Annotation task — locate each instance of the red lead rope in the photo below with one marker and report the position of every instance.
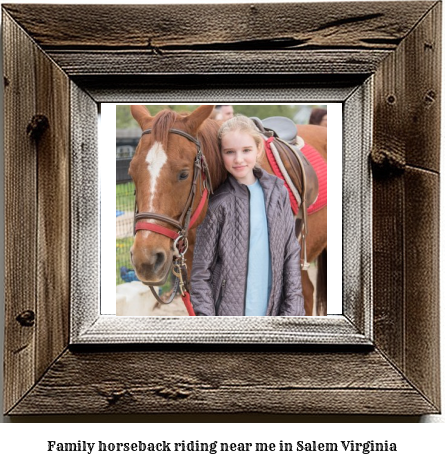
(186, 296)
(174, 235)
(188, 304)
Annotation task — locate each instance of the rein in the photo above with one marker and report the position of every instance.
(181, 226)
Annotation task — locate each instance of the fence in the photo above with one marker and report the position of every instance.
(124, 231)
(126, 142)
(122, 165)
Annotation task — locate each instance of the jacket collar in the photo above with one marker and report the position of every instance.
(267, 182)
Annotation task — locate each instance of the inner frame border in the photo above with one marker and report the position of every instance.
(88, 326)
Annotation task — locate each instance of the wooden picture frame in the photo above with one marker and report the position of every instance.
(382, 60)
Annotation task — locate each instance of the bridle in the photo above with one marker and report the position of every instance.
(186, 220)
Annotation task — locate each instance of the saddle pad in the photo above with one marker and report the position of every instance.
(321, 168)
(277, 172)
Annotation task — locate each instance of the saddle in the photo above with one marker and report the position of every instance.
(282, 140)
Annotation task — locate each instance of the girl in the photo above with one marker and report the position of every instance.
(246, 259)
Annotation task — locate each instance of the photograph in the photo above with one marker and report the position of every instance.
(269, 257)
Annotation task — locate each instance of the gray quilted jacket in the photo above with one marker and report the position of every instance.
(219, 272)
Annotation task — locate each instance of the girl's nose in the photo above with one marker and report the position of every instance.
(238, 156)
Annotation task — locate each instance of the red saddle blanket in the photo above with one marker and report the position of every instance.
(321, 169)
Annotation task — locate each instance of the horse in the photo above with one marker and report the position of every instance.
(163, 168)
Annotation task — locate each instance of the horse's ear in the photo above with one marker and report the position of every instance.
(196, 118)
(141, 115)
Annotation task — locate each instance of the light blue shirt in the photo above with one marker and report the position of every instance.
(259, 272)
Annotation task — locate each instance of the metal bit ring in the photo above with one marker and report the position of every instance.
(175, 246)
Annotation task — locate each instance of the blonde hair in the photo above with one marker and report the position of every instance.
(242, 123)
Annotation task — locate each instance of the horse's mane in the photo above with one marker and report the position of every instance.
(207, 135)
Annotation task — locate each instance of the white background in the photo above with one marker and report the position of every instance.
(22, 442)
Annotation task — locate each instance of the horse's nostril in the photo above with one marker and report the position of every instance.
(159, 260)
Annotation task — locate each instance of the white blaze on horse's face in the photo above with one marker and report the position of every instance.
(156, 158)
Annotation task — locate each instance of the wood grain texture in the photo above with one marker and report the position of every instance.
(406, 206)
(223, 382)
(389, 157)
(423, 92)
(85, 208)
(37, 215)
(408, 99)
(53, 222)
(107, 329)
(422, 281)
(139, 55)
(216, 62)
(20, 214)
(357, 208)
(157, 27)
(388, 271)
(422, 206)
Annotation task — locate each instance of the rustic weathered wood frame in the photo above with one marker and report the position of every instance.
(57, 71)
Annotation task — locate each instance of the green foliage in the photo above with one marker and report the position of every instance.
(264, 111)
(123, 256)
(125, 120)
(123, 117)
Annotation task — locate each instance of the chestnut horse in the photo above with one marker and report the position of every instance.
(162, 169)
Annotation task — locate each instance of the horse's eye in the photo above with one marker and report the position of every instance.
(183, 175)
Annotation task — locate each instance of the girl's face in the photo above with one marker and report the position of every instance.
(240, 153)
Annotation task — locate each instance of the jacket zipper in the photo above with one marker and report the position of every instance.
(270, 259)
(221, 295)
(248, 247)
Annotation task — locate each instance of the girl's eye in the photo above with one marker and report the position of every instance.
(183, 175)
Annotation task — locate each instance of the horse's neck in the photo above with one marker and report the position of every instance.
(210, 146)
